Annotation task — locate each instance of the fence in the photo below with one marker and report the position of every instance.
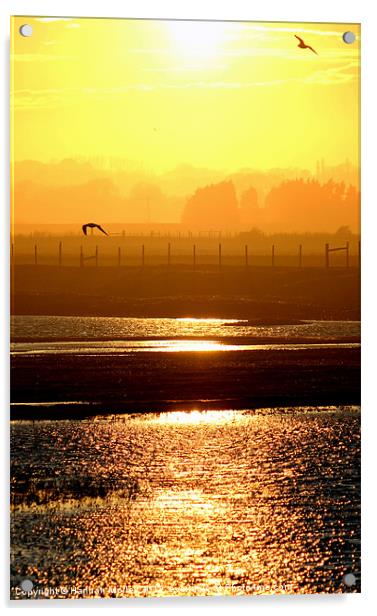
(243, 258)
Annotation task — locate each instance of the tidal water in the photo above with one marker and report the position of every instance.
(118, 328)
(187, 503)
(109, 335)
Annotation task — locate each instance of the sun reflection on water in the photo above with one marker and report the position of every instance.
(189, 502)
(195, 345)
(197, 417)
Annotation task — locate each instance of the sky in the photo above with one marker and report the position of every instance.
(220, 95)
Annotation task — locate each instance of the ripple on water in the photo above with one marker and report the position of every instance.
(213, 502)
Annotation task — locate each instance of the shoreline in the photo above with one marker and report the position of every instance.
(186, 380)
(234, 340)
(79, 412)
(281, 313)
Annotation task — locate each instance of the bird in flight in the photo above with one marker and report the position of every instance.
(92, 225)
(303, 45)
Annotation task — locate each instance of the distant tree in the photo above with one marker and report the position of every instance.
(145, 200)
(255, 233)
(352, 207)
(343, 231)
(302, 205)
(249, 210)
(212, 207)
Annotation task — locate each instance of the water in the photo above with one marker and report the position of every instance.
(159, 346)
(104, 335)
(183, 503)
(196, 503)
(118, 328)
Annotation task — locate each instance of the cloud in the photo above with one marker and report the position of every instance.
(47, 98)
(31, 99)
(51, 19)
(71, 23)
(38, 57)
(187, 68)
(296, 28)
(298, 55)
(50, 98)
(334, 75)
(61, 97)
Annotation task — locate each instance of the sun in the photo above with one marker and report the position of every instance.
(197, 39)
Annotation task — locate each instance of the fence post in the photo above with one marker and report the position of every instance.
(35, 254)
(273, 255)
(96, 256)
(300, 256)
(220, 256)
(169, 254)
(246, 255)
(194, 256)
(327, 260)
(60, 254)
(142, 256)
(119, 256)
(347, 254)
(81, 257)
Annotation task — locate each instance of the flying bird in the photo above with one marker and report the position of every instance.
(92, 225)
(303, 45)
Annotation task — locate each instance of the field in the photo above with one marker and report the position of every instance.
(179, 291)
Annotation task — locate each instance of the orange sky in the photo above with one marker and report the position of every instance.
(217, 95)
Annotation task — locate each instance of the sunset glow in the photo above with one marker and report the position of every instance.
(219, 95)
(198, 39)
(185, 262)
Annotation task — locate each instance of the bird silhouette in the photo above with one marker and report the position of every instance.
(303, 45)
(92, 225)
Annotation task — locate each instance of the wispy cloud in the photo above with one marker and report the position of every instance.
(298, 55)
(70, 21)
(49, 98)
(39, 57)
(294, 28)
(51, 19)
(334, 75)
(150, 50)
(187, 68)
(59, 97)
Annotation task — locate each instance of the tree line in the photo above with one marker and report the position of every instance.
(292, 206)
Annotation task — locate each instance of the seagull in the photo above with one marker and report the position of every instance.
(92, 225)
(303, 45)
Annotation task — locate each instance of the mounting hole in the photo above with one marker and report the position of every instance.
(349, 579)
(349, 37)
(27, 585)
(26, 30)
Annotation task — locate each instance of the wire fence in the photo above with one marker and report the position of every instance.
(195, 256)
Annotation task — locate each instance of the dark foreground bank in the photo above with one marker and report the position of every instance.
(68, 385)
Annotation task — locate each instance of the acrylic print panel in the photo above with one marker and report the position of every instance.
(185, 308)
